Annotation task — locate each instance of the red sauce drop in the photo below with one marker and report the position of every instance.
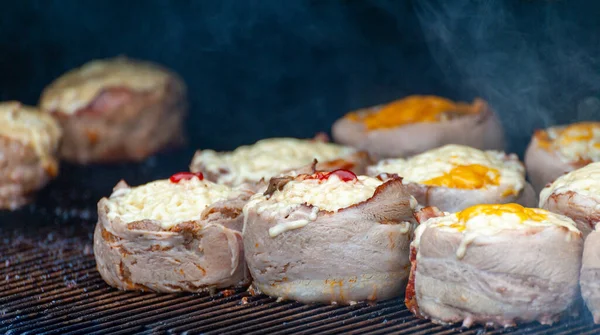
(185, 176)
(344, 175)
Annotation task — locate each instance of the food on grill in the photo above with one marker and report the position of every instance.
(557, 150)
(271, 157)
(590, 274)
(28, 148)
(178, 234)
(117, 110)
(576, 195)
(329, 237)
(494, 264)
(454, 177)
(418, 123)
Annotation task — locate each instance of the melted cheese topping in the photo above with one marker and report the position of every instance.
(458, 166)
(31, 128)
(77, 88)
(584, 181)
(267, 158)
(578, 143)
(166, 202)
(489, 220)
(331, 194)
(412, 109)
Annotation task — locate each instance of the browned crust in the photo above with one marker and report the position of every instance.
(427, 213)
(410, 298)
(121, 124)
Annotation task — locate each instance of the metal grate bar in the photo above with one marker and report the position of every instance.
(87, 318)
(31, 289)
(178, 305)
(319, 319)
(264, 319)
(370, 324)
(224, 314)
(363, 319)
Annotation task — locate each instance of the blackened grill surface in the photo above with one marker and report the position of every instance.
(49, 283)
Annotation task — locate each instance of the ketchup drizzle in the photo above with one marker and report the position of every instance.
(185, 176)
(343, 174)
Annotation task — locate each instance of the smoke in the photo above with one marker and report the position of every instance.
(534, 61)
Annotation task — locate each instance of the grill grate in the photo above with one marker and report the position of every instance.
(49, 283)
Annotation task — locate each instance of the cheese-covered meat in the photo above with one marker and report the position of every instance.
(454, 177)
(557, 150)
(117, 109)
(270, 157)
(495, 264)
(329, 237)
(418, 123)
(180, 234)
(576, 195)
(28, 148)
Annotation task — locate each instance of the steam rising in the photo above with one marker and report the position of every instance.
(534, 61)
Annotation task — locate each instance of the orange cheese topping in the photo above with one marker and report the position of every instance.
(498, 209)
(578, 143)
(473, 176)
(412, 109)
(523, 214)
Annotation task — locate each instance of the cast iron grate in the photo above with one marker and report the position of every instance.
(49, 284)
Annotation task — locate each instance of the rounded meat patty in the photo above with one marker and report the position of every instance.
(576, 195)
(182, 234)
(329, 237)
(557, 150)
(117, 110)
(416, 124)
(29, 143)
(454, 177)
(590, 274)
(494, 265)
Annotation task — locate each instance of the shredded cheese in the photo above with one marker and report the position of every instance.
(331, 194)
(578, 143)
(584, 181)
(78, 87)
(412, 109)
(166, 202)
(267, 158)
(458, 166)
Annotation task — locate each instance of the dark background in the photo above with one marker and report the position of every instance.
(259, 69)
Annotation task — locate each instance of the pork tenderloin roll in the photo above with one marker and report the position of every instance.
(454, 177)
(117, 110)
(576, 195)
(275, 156)
(557, 150)
(29, 143)
(590, 274)
(416, 124)
(179, 234)
(330, 237)
(494, 265)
